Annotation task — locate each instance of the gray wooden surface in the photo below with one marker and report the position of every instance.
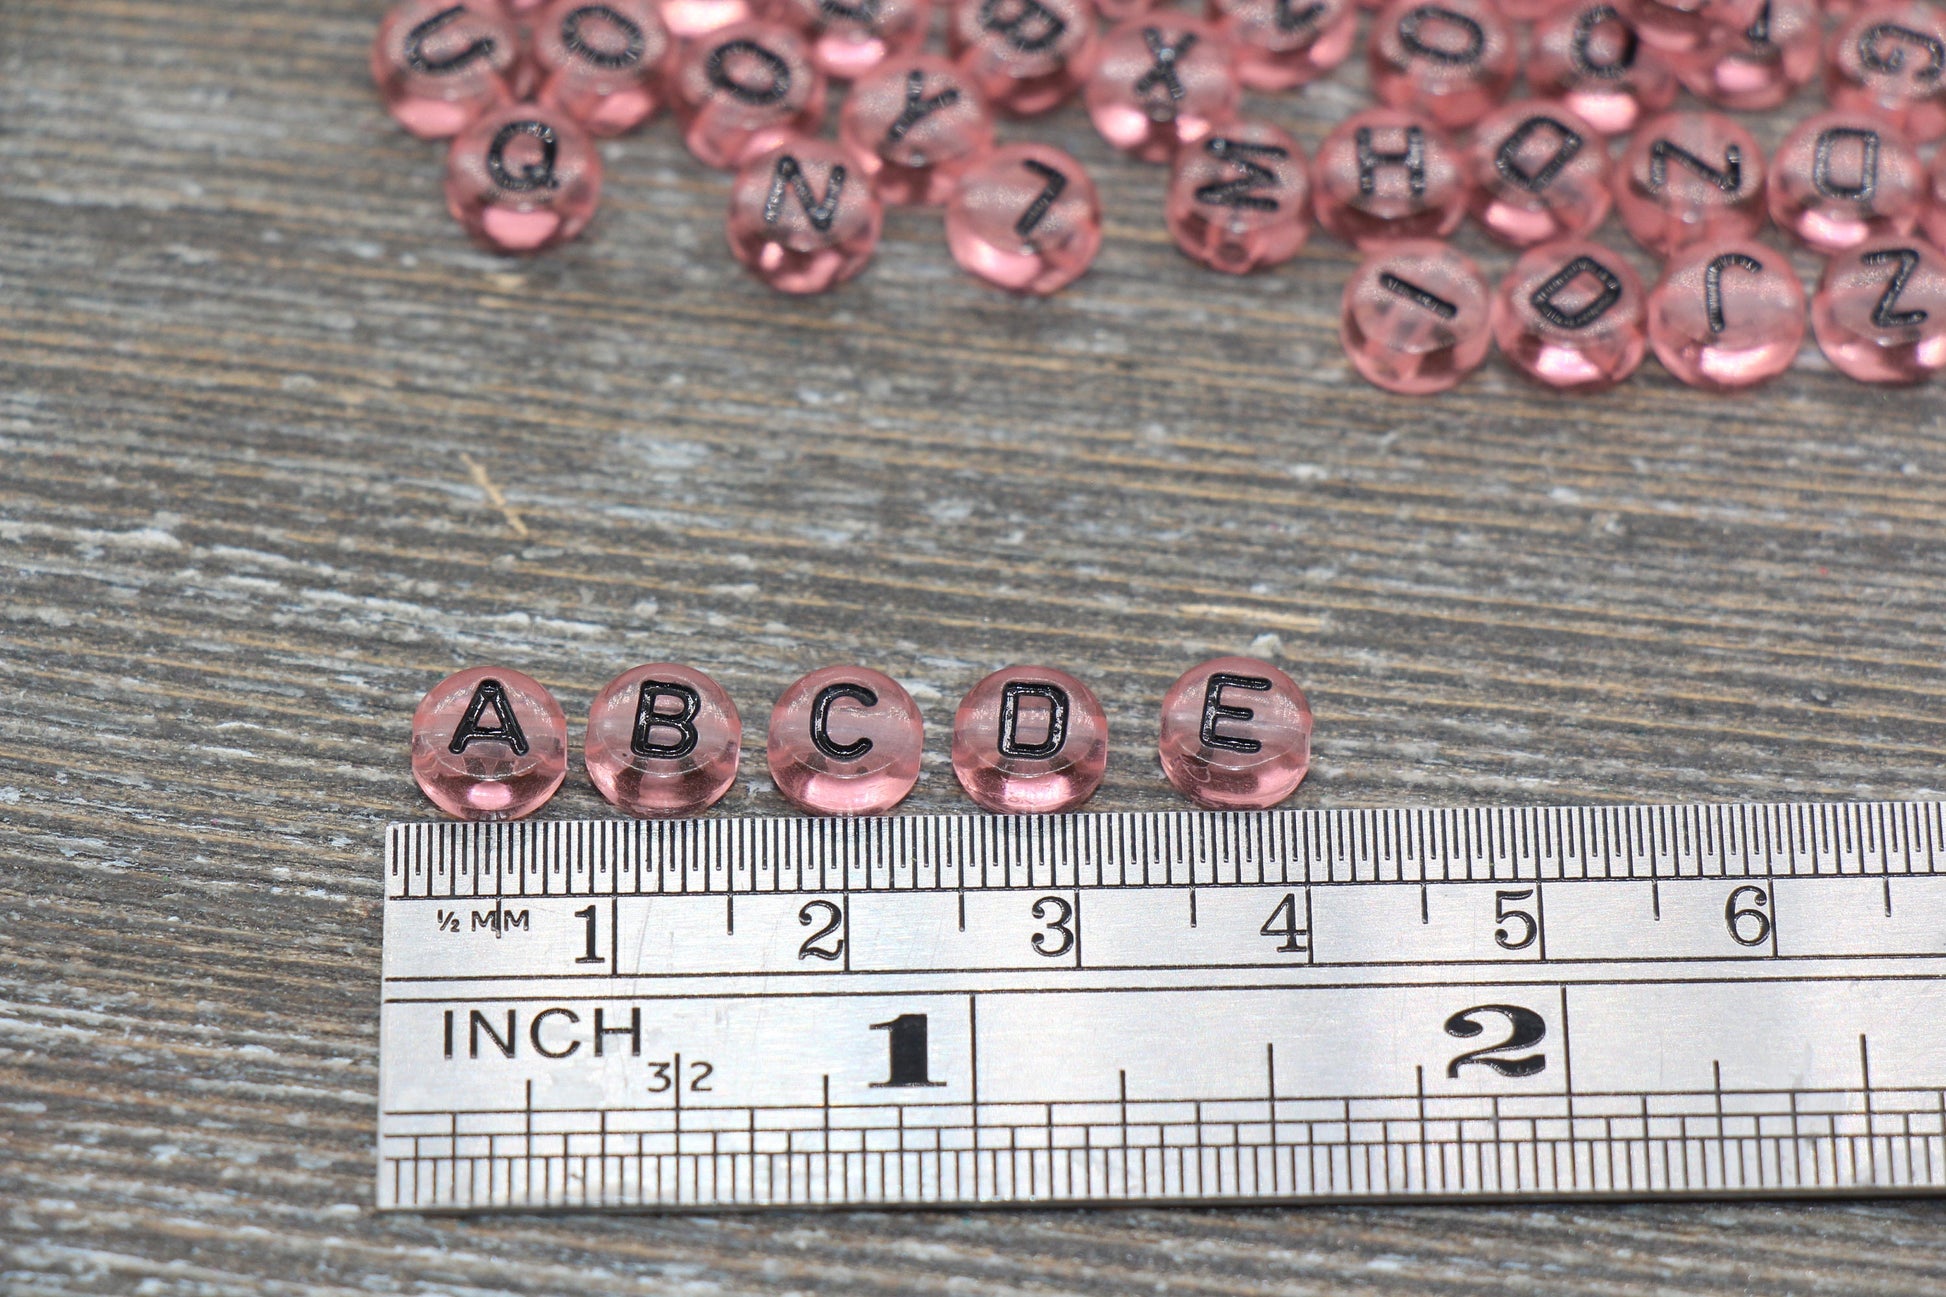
(280, 451)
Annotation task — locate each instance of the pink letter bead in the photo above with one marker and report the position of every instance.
(1880, 311)
(803, 217)
(846, 741)
(1030, 739)
(1539, 173)
(1240, 199)
(1415, 317)
(489, 744)
(1841, 178)
(1676, 26)
(1891, 60)
(1690, 176)
(916, 123)
(523, 178)
(1387, 174)
(851, 37)
(1162, 81)
(743, 89)
(1453, 60)
(1934, 219)
(1727, 315)
(1284, 43)
(439, 64)
(1590, 57)
(1236, 734)
(1026, 56)
(1571, 316)
(1755, 62)
(663, 740)
(1025, 217)
(602, 63)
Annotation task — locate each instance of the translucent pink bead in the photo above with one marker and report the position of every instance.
(1025, 217)
(523, 178)
(602, 63)
(1030, 740)
(1676, 26)
(1687, 177)
(1387, 174)
(1240, 199)
(1934, 218)
(1453, 60)
(916, 122)
(1890, 59)
(1236, 734)
(846, 741)
(1727, 315)
(1758, 61)
(744, 89)
(440, 64)
(1841, 178)
(663, 740)
(1572, 316)
(851, 37)
(803, 217)
(489, 744)
(1284, 43)
(1162, 81)
(688, 20)
(1589, 56)
(1880, 311)
(1539, 172)
(1028, 57)
(1414, 318)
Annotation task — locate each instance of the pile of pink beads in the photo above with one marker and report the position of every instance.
(520, 86)
(664, 740)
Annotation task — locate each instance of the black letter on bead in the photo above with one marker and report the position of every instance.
(532, 176)
(789, 176)
(1581, 53)
(769, 92)
(415, 45)
(1238, 192)
(821, 721)
(1893, 59)
(489, 693)
(1476, 37)
(1033, 28)
(917, 106)
(1543, 298)
(1885, 315)
(1758, 32)
(635, 43)
(648, 720)
(1214, 710)
(1866, 186)
(1418, 296)
(1163, 59)
(1713, 285)
(1036, 211)
(1729, 178)
(1412, 157)
(1057, 719)
(1507, 160)
(1290, 20)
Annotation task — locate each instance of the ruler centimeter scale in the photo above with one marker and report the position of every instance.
(1169, 1007)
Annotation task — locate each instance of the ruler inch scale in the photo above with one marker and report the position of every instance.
(1280, 1006)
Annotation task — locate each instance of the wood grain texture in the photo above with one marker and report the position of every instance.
(280, 450)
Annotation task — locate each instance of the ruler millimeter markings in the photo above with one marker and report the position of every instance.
(1174, 1006)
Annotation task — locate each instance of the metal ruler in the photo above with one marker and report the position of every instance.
(1272, 1006)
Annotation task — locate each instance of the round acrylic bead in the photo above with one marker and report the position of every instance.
(1388, 174)
(1690, 176)
(1727, 315)
(1841, 178)
(1934, 218)
(1028, 57)
(1030, 740)
(1240, 199)
(1571, 316)
(489, 744)
(744, 89)
(803, 217)
(523, 178)
(916, 122)
(602, 63)
(440, 64)
(1236, 734)
(1890, 59)
(851, 37)
(663, 740)
(1539, 172)
(1415, 317)
(1284, 43)
(1453, 60)
(1757, 61)
(1880, 311)
(1024, 217)
(1590, 57)
(1162, 81)
(846, 741)
(690, 20)
(1677, 26)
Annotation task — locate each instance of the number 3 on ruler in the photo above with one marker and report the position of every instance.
(1056, 915)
